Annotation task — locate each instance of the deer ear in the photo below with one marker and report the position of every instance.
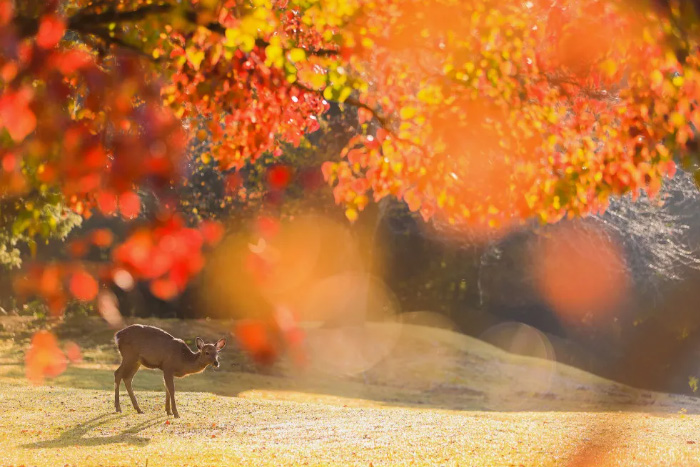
(200, 343)
(220, 344)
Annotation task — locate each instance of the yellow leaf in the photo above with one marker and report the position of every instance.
(677, 119)
(209, 4)
(275, 55)
(407, 113)
(609, 67)
(657, 78)
(232, 36)
(351, 214)
(195, 57)
(273, 52)
(247, 43)
(297, 55)
(317, 80)
(344, 94)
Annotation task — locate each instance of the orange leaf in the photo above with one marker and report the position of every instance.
(44, 358)
(50, 281)
(73, 352)
(102, 238)
(83, 286)
(581, 274)
(267, 227)
(165, 289)
(77, 248)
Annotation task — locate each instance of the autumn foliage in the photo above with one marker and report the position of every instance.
(481, 113)
(46, 359)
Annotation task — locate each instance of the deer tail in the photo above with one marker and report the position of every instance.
(119, 338)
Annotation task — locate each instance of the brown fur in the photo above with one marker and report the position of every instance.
(154, 348)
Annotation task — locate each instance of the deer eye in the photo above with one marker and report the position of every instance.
(206, 352)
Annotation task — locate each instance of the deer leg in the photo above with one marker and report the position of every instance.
(117, 382)
(167, 397)
(127, 382)
(170, 386)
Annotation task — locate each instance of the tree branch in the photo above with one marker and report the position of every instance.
(82, 18)
(383, 121)
(108, 39)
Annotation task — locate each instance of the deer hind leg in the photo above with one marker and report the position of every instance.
(128, 377)
(167, 397)
(118, 375)
(170, 387)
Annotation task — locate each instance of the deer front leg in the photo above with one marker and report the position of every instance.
(170, 386)
(167, 397)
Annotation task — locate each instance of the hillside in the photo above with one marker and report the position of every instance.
(433, 397)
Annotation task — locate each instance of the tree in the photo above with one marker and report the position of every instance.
(474, 112)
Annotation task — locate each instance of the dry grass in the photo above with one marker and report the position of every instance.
(437, 399)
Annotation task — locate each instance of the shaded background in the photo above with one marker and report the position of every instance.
(474, 281)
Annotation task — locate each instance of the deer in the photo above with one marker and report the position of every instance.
(156, 349)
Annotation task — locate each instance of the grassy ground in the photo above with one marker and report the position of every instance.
(435, 398)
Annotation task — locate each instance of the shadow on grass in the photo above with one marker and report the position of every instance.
(236, 384)
(76, 435)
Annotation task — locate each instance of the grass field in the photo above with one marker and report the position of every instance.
(436, 398)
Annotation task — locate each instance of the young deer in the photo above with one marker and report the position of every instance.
(154, 348)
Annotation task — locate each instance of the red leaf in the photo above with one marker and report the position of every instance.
(233, 182)
(107, 202)
(69, 62)
(129, 204)
(212, 232)
(83, 286)
(6, 12)
(279, 176)
(15, 114)
(254, 338)
(51, 29)
(9, 162)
